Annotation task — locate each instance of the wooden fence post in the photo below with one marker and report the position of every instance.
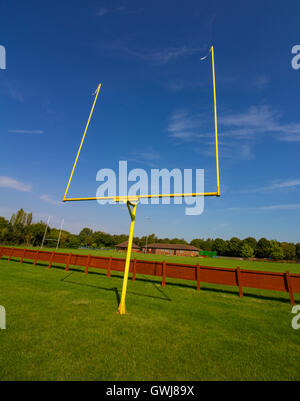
(164, 268)
(198, 269)
(109, 266)
(36, 257)
(86, 270)
(22, 258)
(134, 270)
(51, 259)
(239, 281)
(289, 287)
(11, 254)
(68, 262)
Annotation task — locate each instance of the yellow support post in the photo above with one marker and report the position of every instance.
(216, 122)
(82, 140)
(132, 213)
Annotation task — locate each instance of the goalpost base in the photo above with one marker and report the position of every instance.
(132, 213)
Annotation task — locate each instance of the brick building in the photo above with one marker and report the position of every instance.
(124, 245)
(172, 249)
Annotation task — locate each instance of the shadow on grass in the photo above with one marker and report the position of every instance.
(148, 280)
(114, 289)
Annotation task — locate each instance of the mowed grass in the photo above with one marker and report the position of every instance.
(64, 326)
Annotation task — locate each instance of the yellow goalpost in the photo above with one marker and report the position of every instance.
(132, 201)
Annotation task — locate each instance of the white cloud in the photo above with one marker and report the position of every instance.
(238, 132)
(254, 117)
(261, 82)
(47, 198)
(11, 89)
(293, 206)
(179, 86)
(8, 182)
(104, 11)
(24, 131)
(163, 56)
(157, 56)
(259, 120)
(284, 184)
(183, 125)
(192, 127)
(254, 122)
(274, 186)
(281, 207)
(149, 157)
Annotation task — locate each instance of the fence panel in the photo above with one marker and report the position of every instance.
(263, 280)
(284, 282)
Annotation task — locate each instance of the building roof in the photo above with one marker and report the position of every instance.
(125, 245)
(182, 247)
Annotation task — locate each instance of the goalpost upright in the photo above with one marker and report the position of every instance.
(131, 201)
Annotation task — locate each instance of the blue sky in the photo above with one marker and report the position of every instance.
(154, 110)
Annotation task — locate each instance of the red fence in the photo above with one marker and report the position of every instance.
(284, 282)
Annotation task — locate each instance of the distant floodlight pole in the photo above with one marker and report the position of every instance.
(45, 231)
(61, 226)
(146, 246)
(52, 239)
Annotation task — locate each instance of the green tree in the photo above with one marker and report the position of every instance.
(298, 251)
(72, 241)
(37, 231)
(86, 237)
(21, 218)
(263, 248)
(178, 241)
(29, 219)
(234, 247)
(152, 239)
(5, 234)
(251, 242)
(289, 250)
(275, 250)
(247, 251)
(3, 222)
(198, 243)
(220, 246)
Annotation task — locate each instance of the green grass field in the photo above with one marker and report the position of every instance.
(64, 326)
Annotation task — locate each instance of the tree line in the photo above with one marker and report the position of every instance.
(21, 230)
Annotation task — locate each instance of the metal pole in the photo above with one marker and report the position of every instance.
(132, 213)
(45, 232)
(216, 122)
(61, 226)
(82, 140)
(146, 247)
